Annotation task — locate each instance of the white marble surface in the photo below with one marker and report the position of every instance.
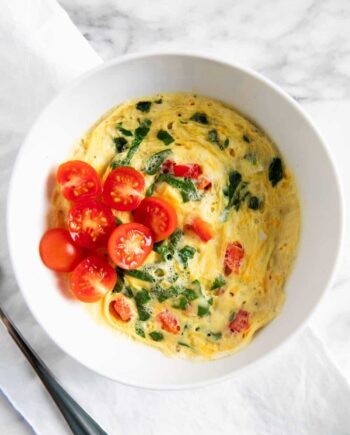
(303, 45)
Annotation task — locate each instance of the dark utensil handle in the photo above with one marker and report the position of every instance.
(78, 420)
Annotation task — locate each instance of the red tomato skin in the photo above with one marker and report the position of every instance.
(158, 215)
(234, 256)
(120, 309)
(203, 229)
(167, 166)
(123, 188)
(125, 241)
(90, 223)
(189, 170)
(92, 279)
(79, 180)
(58, 251)
(168, 322)
(240, 323)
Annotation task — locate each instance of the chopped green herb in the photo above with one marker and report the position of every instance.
(219, 282)
(159, 101)
(186, 186)
(216, 335)
(186, 253)
(143, 312)
(121, 144)
(202, 310)
(139, 274)
(197, 328)
(254, 203)
(213, 136)
(144, 106)
(182, 343)
(123, 130)
(155, 161)
(142, 297)
(236, 193)
(210, 301)
(128, 292)
(166, 249)
(246, 138)
(139, 330)
(181, 303)
(119, 285)
(140, 133)
(232, 316)
(200, 117)
(118, 221)
(156, 335)
(275, 171)
(190, 294)
(251, 157)
(162, 294)
(196, 285)
(165, 137)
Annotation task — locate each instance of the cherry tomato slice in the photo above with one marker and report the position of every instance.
(240, 322)
(234, 255)
(92, 279)
(123, 188)
(90, 223)
(79, 180)
(129, 245)
(157, 214)
(168, 322)
(58, 251)
(203, 229)
(167, 166)
(190, 170)
(120, 309)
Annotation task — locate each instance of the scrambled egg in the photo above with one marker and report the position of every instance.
(262, 214)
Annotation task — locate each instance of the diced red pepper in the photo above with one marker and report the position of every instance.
(203, 183)
(234, 256)
(167, 166)
(120, 309)
(240, 322)
(190, 170)
(203, 229)
(168, 322)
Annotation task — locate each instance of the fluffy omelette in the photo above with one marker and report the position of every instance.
(250, 200)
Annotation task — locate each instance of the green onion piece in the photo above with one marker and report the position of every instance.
(121, 144)
(185, 254)
(155, 161)
(123, 130)
(165, 137)
(139, 330)
(140, 274)
(219, 282)
(202, 310)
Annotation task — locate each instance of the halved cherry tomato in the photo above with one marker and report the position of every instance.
(203, 183)
(190, 170)
(120, 309)
(123, 188)
(79, 180)
(234, 255)
(240, 322)
(168, 322)
(203, 229)
(58, 251)
(90, 223)
(129, 245)
(157, 214)
(92, 279)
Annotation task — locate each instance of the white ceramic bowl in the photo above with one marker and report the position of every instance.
(66, 119)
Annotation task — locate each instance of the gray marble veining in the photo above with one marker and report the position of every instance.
(302, 45)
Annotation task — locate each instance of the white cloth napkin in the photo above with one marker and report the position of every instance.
(298, 390)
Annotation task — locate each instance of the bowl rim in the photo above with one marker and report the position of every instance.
(199, 55)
